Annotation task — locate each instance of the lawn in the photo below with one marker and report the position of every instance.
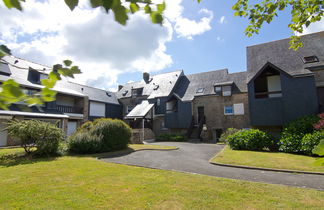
(268, 160)
(81, 182)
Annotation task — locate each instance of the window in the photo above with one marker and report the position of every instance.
(137, 92)
(156, 87)
(129, 109)
(34, 76)
(125, 92)
(4, 69)
(268, 84)
(238, 109)
(310, 59)
(158, 102)
(172, 106)
(228, 110)
(200, 90)
(218, 90)
(227, 90)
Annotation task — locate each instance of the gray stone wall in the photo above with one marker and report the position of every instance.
(214, 112)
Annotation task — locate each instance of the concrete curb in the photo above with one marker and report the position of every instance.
(268, 169)
(129, 152)
(262, 169)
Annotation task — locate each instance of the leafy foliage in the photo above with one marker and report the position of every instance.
(310, 141)
(252, 139)
(293, 133)
(102, 135)
(172, 137)
(45, 137)
(227, 133)
(303, 13)
(320, 124)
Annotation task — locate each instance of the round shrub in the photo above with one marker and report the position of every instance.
(293, 133)
(310, 141)
(115, 134)
(45, 137)
(227, 133)
(84, 143)
(252, 139)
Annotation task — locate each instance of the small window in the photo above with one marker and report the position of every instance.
(34, 76)
(218, 90)
(158, 102)
(125, 92)
(156, 87)
(227, 90)
(200, 90)
(108, 94)
(129, 109)
(228, 110)
(310, 59)
(4, 69)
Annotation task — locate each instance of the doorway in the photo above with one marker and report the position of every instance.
(201, 113)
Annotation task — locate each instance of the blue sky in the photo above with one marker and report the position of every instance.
(195, 37)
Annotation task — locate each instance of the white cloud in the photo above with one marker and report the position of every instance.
(314, 27)
(222, 20)
(185, 27)
(48, 32)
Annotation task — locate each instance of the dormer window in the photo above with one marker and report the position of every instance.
(218, 90)
(156, 87)
(310, 59)
(137, 92)
(33, 76)
(108, 94)
(200, 90)
(4, 69)
(227, 90)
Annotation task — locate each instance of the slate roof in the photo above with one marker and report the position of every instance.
(140, 110)
(19, 72)
(188, 85)
(279, 54)
(160, 85)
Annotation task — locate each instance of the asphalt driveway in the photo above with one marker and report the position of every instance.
(193, 158)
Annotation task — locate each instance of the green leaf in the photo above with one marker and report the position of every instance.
(156, 17)
(96, 3)
(13, 4)
(161, 7)
(319, 149)
(4, 50)
(75, 70)
(72, 3)
(147, 9)
(48, 94)
(107, 4)
(67, 62)
(133, 7)
(120, 14)
(51, 81)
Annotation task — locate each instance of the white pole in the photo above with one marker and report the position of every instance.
(143, 129)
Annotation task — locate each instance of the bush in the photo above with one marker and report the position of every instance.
(171, 137)
(227, 133)
(310, 141)
(293, 133)
(320, 124)
(116, 134)
(103, 135)
(45, 137)
(84, 143)
(252, 139)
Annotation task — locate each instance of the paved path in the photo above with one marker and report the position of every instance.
(193, 158)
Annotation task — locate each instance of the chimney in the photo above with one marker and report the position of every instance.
(146, 77)
(120, 87)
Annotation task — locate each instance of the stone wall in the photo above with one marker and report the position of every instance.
(137, 135)
(214, 112)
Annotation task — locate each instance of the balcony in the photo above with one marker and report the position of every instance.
(69, 109)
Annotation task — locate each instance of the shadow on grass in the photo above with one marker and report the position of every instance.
(106, 154)
(22, 159)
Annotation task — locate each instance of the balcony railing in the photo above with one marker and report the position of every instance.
(68, 109)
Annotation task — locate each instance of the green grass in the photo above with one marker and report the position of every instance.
(74, 182)
(274, 160)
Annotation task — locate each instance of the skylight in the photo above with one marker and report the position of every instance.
(125, 92)
(200, 90)
(310, 59)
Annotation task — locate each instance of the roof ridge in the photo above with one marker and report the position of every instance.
(30, 61)
(90, 86)
(205, 72)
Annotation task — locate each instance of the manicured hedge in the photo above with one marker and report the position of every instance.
(102, 135)
(172, 137)
(252, 139)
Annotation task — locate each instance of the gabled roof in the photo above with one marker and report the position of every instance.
(188, 85)
(140, 110)
(279, 54)
(19, 69)
(159, 85)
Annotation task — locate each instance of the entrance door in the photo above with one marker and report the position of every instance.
(72, 126)
(201, 113)
(3, 134)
